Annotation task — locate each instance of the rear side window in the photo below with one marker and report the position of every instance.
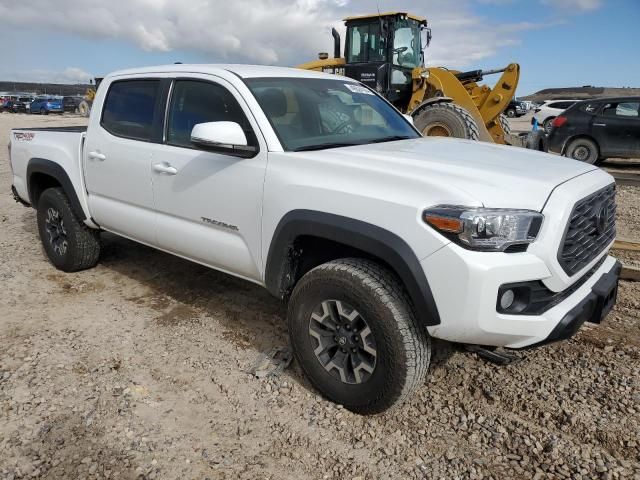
(194, 102)
(130, 108)
(561, 105)
(622, 109)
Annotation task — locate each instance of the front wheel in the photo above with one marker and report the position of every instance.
(446, 119)
(70, 245)
(356, 337)
(511, 113)
(584, 150)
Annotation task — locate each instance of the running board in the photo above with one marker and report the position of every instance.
(499, 358)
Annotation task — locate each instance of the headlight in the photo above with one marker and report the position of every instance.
(488, 229)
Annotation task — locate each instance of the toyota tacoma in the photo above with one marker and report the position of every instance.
(316, 188)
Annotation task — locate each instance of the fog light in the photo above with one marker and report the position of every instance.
(506, 300)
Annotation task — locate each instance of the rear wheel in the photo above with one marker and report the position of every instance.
(355, 335)
(584, 150)
(69, 244)
(446, 120)
(546, 125)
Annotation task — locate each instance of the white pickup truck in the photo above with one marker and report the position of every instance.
(316, 188)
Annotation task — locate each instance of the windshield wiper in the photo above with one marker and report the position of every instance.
(390, 139)
(322, 146)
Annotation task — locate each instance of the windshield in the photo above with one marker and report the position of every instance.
(406, 44)
(318, 113)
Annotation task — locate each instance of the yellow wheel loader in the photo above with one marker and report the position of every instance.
(85, 105)
(386, 52)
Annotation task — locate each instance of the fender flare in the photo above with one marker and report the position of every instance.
(430, 101)
(374, 240)
(55, 171)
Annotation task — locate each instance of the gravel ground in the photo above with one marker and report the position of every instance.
(137, 369)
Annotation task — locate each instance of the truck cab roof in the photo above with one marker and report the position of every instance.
(242, 71)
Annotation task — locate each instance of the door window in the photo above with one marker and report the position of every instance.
(622, 109)
(194, 102)
(130, 108)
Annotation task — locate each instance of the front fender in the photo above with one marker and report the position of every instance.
(368, 238)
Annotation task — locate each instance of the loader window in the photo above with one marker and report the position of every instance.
(366, 44)
(406, 44)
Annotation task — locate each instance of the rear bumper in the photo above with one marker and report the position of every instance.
(556, 142)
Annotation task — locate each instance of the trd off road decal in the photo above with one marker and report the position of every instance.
(219, 224)
(24, 136)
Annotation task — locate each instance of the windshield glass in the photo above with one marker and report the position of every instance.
(317, 113)
(406, 44)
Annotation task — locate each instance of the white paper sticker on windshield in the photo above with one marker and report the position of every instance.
(355, 88)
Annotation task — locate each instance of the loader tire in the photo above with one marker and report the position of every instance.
(504, 123)
(446, 120)
(84, 108)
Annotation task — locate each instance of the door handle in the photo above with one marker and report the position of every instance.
(599, 124)
(97, 156)
(165, 168)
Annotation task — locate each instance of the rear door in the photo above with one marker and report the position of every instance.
(117, 157)
(617, 128)
(209, 203)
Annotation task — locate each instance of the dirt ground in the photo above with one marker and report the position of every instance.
(138, 369)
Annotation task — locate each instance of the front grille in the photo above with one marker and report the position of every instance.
(592, 226)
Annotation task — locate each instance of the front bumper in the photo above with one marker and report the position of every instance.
(466, 289)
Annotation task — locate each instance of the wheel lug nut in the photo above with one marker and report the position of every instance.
(353, 350)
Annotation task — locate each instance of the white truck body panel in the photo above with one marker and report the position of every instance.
(223, 211)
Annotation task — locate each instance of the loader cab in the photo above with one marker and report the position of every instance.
(382, 51)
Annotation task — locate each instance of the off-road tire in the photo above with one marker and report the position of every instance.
(537, 140)
(82, 243)
(446, 119)
(504, 123)
(583, 150)
(84, 108)
(402, 343)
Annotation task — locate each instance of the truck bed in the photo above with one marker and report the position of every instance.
(72, 129)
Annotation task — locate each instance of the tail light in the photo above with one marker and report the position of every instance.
(559, 121)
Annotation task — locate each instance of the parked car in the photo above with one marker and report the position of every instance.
(314, 187)
(594, 130)
(515, 109)
(550, 109)
(44, 106)
(70, 104)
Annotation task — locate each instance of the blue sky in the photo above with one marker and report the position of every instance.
(557, 42)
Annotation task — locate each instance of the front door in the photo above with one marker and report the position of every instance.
(617, 129)
(208, 204)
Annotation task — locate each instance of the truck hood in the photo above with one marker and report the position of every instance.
(497, 176)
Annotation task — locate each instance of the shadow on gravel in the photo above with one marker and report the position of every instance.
(29, 223)
(183, 290)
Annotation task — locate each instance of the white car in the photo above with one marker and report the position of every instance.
(316, 188)
(550, 109)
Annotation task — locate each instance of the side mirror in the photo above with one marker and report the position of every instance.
(223, 136)
(408, 118)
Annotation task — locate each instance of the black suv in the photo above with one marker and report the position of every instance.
(594, 130)
(70, 104)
